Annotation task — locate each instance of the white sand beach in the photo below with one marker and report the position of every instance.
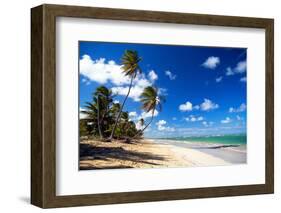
(153, 154)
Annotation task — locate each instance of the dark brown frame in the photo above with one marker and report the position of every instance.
(43, 105)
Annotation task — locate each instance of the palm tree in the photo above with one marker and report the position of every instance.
(130, 68)
(99, 108)
(91, 112)
(151, 100)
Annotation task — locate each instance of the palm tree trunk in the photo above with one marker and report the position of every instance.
(146, 125)
(99, 127)
(119, 114)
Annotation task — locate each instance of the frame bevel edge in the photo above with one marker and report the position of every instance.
(269, 34)
(155, 16)
(37, 189)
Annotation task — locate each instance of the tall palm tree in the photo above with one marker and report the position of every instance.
(151, 100)
(130, 66)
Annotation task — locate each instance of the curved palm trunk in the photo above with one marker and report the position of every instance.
(146, 125)
(99, 127)
(119, 114)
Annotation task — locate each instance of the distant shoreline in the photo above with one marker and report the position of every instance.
(232, 153)
(153, 153)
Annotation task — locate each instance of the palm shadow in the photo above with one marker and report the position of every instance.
(90, 152)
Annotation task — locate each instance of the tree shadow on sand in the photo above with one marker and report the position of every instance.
(89, 152)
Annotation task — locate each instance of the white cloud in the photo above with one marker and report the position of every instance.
(103, 71)
(145, 115)
(239, 118)
(193, 118)
(139, 126)
(229, 71)
(243, 79)
(86, 81)
(208, 105)
(212, 62)
(162, 91)
(116, 102)
(133, 114)
(207, 124)
(161, 123)
(241, 108)
(134, 93)
(139, 84)
(82, 115)
(196, 107)
(174, 118)
(170, 75)
(161, 126)
(219, 79)
(186, 107)
(152, 76)
(226, 120)
(241, 67)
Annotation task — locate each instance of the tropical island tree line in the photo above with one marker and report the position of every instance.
(107, 120)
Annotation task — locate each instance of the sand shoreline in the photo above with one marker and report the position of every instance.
(146, 153)
(234, 154)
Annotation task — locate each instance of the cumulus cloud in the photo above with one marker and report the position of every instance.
(145, 115)
(212, 62)
(193, 118)
(241, 67)
(186, 107)
(207, 124)
(133, 115)
(161, 126)
(241, 108)
(208, 105)
(229, 71)
(152, 76)
(226, 120)
(139, 126)
(219, 79)
(170, 75)
(140, 83)
(243, 79)
(103, 72)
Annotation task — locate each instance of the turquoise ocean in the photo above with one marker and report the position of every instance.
(217, 139)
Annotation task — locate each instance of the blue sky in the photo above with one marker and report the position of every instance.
(205, 87)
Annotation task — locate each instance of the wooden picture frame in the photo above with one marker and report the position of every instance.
(43, 105)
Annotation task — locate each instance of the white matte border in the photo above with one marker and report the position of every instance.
(71, 181)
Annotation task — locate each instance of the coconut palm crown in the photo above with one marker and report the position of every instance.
(151, 100)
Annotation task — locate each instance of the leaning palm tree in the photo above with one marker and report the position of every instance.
(130, 66)
(151, 100)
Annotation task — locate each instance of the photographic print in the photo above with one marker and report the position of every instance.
(159, 106)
